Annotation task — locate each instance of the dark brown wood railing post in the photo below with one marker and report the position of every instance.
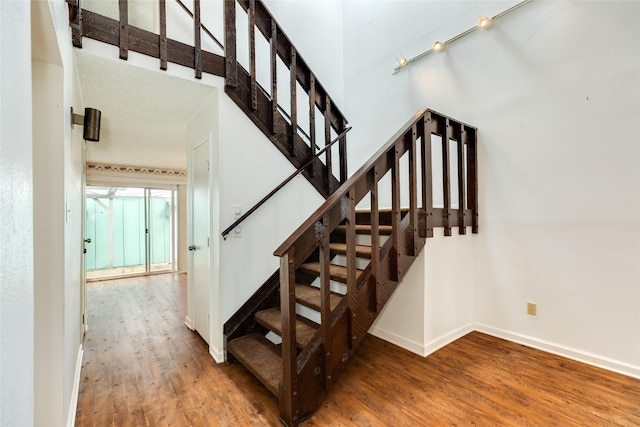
(395, 213)
(327, 138)
(472, 176)
(427, 175)
(75, 22)
(446, 136)
(163, 34)
(274, 75)
(230, 49)
(312, 119)
(376, 299)
(349, 211)
(293, 80)
(289, 387)
(325, 294)
(124, 29)
(413, 185)
(462, 229)
(197, 40)
(252, 54)
(343, 153)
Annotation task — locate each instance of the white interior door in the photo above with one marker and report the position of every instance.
(200, 244)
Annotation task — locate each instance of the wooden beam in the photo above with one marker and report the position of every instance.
(252, 54)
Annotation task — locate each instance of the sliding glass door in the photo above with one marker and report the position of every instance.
(131, 231)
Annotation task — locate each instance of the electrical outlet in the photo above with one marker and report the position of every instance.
(531, 308)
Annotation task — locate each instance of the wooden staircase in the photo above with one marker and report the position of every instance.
(338, 270)
(299, 330)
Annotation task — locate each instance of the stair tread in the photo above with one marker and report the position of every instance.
(337, 272)
(272, 319)
(310, 296)
(261, 357)
(362, 251)
(366, 229)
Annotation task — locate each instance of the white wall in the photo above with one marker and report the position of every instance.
(16, 227)
(315, 28)
(557, 106)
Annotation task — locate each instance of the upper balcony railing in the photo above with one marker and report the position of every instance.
(282, 91)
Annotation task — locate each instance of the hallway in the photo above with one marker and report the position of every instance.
(143, 366)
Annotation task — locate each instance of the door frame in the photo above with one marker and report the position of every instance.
(216, 341)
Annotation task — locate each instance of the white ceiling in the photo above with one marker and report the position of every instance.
(144, 113)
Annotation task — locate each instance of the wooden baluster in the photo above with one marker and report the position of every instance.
(294, 100)
(349, 211)
(124, 29)
(312, 119)
(75, 12)
(446, 135)
(197, 37)
(274, 75)
(327, 139)
(343, 153)
(163, 34)
(462, 229)
(253, 89)
(230, 49)
(472, 176)
(395, 213)
(289, 392)
(376, 298)
(413, 185)
(427, 176)
(325, 295)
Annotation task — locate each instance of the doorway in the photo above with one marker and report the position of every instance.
(130, 231)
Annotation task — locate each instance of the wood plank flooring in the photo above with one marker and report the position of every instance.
(143, 367)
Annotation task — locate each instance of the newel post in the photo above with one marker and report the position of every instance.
(289, 385)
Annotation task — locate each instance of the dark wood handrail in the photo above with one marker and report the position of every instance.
(344, 188)
(255, 207)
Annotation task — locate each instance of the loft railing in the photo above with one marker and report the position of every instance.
(119, 32)
(408, 165)
(276, 114)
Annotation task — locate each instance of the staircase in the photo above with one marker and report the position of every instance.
(300, 329)
(340, 267)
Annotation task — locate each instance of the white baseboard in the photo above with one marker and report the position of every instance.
(217, 354)
(398, 340)
(188, 322)
(560, 350)
(438, 343)
(75, 391)
(417, 348)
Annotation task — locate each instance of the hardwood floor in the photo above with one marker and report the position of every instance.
(142, 366)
